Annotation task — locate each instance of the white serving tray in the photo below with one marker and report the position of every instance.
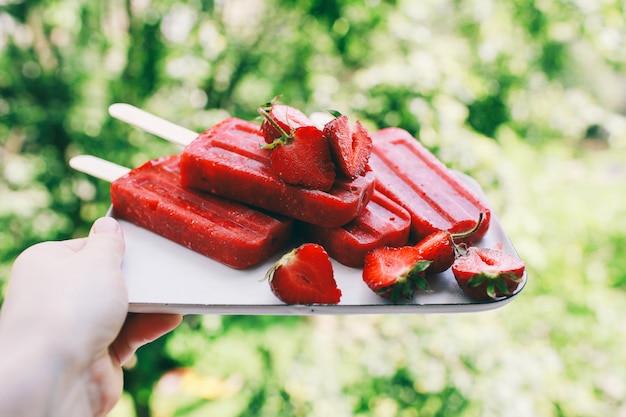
(165, 277)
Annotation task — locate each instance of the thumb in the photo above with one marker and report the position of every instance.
(106, 237)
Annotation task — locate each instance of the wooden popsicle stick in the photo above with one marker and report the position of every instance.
(97, 167)
(152, 124)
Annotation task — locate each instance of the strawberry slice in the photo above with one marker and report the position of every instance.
(485, 274)
(286, 117)
(304, 276)
(350, 145)
(302, 156)
(441, 249)
(395, 273)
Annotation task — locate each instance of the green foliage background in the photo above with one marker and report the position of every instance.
(527, 96)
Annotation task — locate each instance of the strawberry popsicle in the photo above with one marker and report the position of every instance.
(413, 177)
(382, 223)
(229, 232)
(228, 160)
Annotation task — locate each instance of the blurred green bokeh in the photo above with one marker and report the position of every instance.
(527, 96)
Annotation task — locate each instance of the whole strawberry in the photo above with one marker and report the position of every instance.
(301, 157)
(304, 276)
(485, 274)
(286, 117)
(441, 249)
(395, 273)
(350, 145)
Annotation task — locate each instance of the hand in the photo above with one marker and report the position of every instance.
(65, 330)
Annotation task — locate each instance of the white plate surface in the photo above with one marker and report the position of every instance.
(163, 276)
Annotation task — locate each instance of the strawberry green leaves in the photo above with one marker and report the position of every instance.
(485, 274)
(395, 273)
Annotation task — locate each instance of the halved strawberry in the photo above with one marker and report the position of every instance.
(286, 117)
(350, 145)
(304, 276)
(485, 274)
(302, 156)
(395, 273)
(441, 247)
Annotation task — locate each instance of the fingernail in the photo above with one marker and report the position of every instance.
(105, 225)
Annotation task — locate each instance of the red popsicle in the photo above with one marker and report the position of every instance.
(230, 232)
(413, 177)
(382, 223)
(228, 160)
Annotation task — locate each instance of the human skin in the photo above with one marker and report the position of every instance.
(65, 330)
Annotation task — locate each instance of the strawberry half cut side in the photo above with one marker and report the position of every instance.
(395, 273)
(485, 274)
(350, 145)
(304, 276)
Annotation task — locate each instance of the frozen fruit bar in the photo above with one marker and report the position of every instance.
(435, 197)
(232, 233)
(227, 160)
(382, 223)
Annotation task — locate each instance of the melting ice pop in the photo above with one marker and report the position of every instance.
(413, 177)
(382, 223)
(151, 197)
(228, 160)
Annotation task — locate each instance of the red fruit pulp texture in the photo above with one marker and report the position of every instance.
(305, 160)
(381, 223)
(394, 272)
(151, 197)
(227, 160)
(413, 177)
(305, 276)
(350, 145)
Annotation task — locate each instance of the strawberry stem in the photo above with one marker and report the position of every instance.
(467, 233)
(334, 113)
(284, 136)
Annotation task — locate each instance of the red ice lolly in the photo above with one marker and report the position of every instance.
(382, 223)
(227, 160)
(413, 177)
(229, 232)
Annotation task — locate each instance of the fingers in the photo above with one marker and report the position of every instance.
(73, 278)
(105, 225)
(141, 329)
(106, 237)
(74, 245)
